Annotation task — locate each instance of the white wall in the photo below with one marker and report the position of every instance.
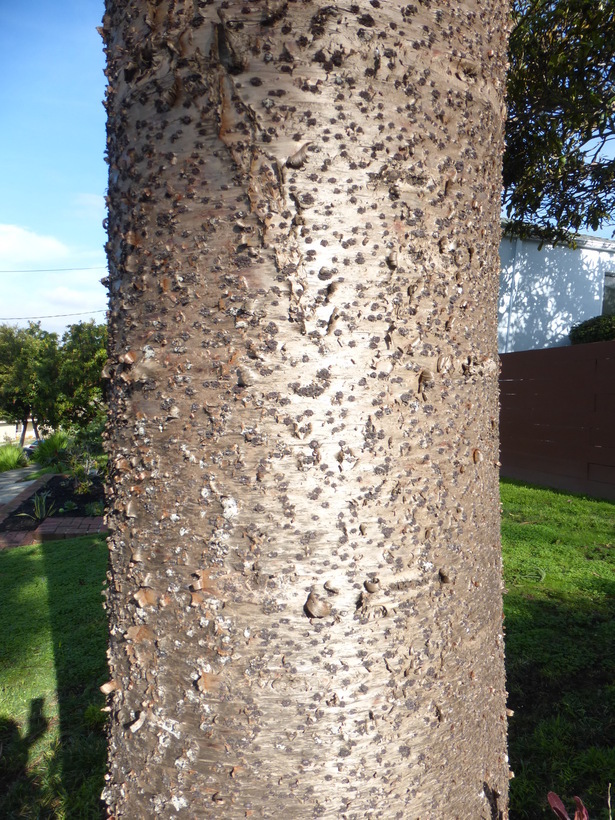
(9, 433)
(544, 292)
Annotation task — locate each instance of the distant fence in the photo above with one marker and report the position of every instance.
(557, 418)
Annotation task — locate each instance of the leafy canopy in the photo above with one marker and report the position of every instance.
(28, 371)
(82, 355)
(58, 384)
(559, 165)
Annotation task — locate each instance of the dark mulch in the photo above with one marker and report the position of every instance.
(63, 496)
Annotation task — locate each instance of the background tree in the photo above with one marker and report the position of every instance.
(305, 588)
(82, 355)
(55, 385)
(28, 375)
(559, 165)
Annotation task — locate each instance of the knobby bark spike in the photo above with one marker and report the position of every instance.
(305, 577)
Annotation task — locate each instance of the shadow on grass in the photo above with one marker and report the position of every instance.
(75, 573)
(15, 774)
(53, 767)
(561, 678)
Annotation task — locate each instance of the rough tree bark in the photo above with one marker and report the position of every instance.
(305, 584)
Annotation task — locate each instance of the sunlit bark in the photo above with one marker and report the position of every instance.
(305, 576)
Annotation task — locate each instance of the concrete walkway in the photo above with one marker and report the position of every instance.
(14, 490)
(13, 483)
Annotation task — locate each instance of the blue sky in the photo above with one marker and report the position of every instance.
(52, 171)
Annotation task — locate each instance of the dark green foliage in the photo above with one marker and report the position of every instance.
(89, 437)
(559, 171)
(28, 373)
(58, 384)
(598, 329)
(82, 354)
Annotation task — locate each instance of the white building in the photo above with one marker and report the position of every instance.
(545, 291)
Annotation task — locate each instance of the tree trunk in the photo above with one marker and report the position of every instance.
(24, 429)
(305, 584)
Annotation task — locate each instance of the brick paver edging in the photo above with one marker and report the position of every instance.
(51, 528)
(31, 488)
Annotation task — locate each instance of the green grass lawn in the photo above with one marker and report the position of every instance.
(559, 567)
(559, 559)
(52, 661)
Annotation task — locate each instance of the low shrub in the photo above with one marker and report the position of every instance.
(89, 438)
(11, 457)
(598, 329)
(52, 452)
(42, 509)
(94, 508)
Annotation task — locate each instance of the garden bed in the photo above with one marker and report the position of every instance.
(62, 500)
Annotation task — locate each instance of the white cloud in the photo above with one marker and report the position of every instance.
(66, 283)
(20, 247)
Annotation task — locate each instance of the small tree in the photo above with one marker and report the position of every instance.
(54, 385)
(28, 373)
(81, 358)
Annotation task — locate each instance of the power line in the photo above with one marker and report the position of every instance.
(52, 270)
(53, 316)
